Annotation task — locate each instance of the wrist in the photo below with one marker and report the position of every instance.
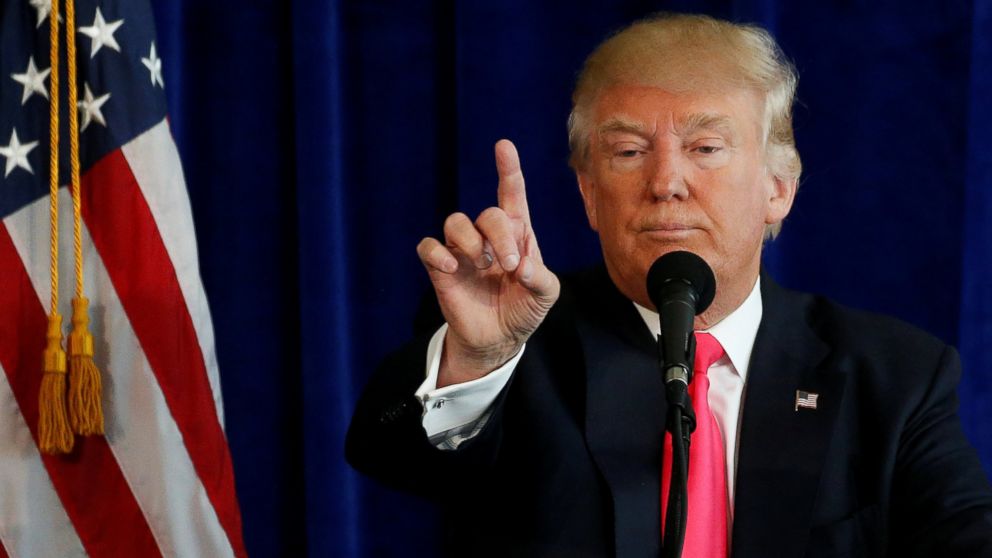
(462, 363)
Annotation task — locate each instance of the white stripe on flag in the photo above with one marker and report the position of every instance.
(141, 432)
(32, 520)
(155, 164)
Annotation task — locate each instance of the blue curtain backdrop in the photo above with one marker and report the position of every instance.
(322, 139)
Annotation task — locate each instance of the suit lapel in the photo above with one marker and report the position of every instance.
(625, 413)
(782, 450)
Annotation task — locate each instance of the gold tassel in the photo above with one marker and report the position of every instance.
(54, 434)
(85, 388)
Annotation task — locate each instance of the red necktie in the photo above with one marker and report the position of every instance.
(706, 525)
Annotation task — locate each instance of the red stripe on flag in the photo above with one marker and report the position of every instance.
(127, 238)
(89, 482)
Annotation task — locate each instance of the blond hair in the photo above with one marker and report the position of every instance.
(685, 53)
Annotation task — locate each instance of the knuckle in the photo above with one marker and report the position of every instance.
(424, 245)
(430, 250)
(490, 215)
(459, 231)
(454, 221)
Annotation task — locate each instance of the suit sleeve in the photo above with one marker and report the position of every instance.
(387, 440)
(942, 502)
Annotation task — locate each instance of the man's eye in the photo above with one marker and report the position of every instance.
(708, 149)
(628, 153)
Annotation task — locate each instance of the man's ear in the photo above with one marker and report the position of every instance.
(588, 190)
(781, 195)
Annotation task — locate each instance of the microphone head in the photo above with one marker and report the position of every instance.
(684, 267)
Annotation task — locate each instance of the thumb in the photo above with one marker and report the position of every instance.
(538, 279)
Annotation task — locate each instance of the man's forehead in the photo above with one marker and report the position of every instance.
(647, 109)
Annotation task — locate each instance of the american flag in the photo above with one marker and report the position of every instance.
(806, 400)
(160, 483)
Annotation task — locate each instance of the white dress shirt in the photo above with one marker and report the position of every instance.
(457, 412)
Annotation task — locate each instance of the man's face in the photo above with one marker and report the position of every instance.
(681, 171)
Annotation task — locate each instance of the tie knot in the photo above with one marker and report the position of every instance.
(708, 351)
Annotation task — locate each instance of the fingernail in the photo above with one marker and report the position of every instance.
(450, 265)
(484, 261)
(512, 261)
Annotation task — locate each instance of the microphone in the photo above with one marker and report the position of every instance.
(681, 285)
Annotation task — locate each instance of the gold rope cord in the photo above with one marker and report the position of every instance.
(53, 151)
(54, 432)
(85, 387)
(70, 51)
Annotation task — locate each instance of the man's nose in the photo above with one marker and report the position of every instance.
(666, 181)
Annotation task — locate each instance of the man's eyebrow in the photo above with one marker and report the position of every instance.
(706, 121)
(622, 125)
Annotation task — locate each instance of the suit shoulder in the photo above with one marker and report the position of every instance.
(865, 335)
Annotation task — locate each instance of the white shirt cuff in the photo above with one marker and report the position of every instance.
(457, 408)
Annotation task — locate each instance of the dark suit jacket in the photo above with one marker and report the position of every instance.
(568, 464)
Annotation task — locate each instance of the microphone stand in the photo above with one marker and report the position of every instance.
(681, 422)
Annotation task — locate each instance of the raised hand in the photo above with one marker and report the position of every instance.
(490, 280)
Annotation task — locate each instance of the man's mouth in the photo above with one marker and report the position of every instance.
(667, 227)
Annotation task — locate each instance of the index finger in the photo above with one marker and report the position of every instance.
(510, 194)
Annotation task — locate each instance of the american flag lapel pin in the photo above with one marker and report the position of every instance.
(806, 399)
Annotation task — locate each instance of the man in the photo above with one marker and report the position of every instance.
(540, 425)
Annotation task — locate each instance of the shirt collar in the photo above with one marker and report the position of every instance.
(736, 332)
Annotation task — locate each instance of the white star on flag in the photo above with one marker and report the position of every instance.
(32, 80)
(44, 8)
(154, 65)
(90, 107)
(102, 33)
(17, 154)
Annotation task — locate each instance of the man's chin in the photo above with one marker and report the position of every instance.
(657, 244)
